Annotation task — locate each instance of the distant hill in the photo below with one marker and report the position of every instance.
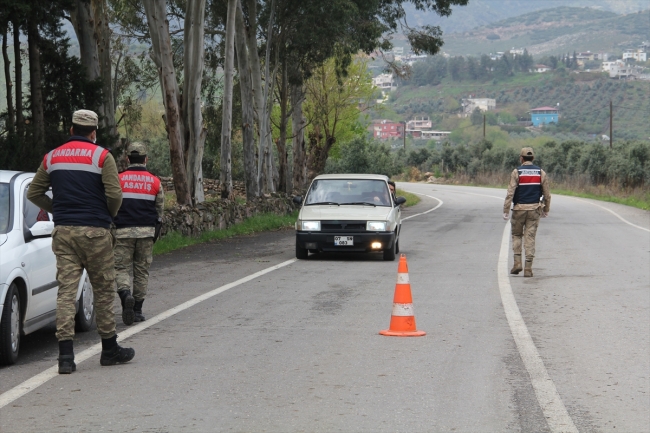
(553, 31)
(484, 12)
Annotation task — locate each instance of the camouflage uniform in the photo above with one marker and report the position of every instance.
(77, 248)
(133, 252)
(525, 217)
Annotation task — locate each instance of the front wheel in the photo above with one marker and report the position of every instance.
(86, 312)
(10, 327)
(301, 253)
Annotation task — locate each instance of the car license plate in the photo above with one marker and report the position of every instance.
(344, 241)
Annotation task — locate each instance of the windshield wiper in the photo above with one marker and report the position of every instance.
(363, 203)
(323, 202)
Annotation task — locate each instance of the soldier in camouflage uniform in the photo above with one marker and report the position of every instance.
(529, 191)
(86, 195)
(141, 209)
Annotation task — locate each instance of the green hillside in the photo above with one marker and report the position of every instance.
(553, 31)
(584, 103)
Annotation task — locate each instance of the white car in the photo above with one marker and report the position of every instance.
(28, 285)
(349, 212)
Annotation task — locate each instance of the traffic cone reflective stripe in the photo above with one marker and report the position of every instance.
(402, 321)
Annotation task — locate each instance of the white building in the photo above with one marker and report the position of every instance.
(637, 55)
(540, 68)
(517, 51)
(483, 104)
(435, 135)
(621, 70)
(385, 82)
(607, 66)
(418, 123)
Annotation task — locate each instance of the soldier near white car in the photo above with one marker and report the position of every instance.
(529, 192)
(142, 208)
(85, 196)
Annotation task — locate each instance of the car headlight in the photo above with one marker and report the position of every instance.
(376, 226)
(310, 226)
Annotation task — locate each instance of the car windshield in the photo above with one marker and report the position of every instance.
(4, 208)
(349, 191)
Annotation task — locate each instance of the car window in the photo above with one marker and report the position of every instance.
(4, 208)
(344, 191)
(32, 213)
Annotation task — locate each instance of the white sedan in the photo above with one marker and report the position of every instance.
(349, 213)
(28, 285)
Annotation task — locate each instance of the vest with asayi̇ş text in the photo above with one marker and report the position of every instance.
(78, 195)
(139, 190)
(529, 190)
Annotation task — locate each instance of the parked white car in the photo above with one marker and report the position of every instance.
(28, 285)
(349, 212)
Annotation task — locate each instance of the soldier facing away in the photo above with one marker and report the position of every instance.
(86, 195)
(529, 192)
(141, 209)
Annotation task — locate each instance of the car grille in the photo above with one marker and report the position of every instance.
(343, 226)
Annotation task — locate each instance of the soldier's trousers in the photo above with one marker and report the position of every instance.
(76, 248)
(133, 255)
(524, 225)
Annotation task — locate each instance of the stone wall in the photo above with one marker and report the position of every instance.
(217, 213)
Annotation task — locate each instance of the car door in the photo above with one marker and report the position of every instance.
(39, 264)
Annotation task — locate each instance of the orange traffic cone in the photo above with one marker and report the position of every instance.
(402, 320)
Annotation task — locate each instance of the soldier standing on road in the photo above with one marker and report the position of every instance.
(86, 195)
(141, 209)
(528, 190)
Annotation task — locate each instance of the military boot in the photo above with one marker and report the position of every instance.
(128, 316)
(137, 310)
(516, 268)
(66, 357)
(113, 353)
(528, 270)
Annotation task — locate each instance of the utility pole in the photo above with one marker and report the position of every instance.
(404, 133)
(484, 127)
(611, 116)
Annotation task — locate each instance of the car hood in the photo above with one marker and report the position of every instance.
(3, 239)
(344, 212)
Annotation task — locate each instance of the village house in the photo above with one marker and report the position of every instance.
(384, 129)
(543, 116)
(415, 126)
(638, 55)
(540, 68)
(483, 104)
(385, 82)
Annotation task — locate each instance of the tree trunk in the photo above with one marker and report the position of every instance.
(283, 178)
(11, 116)
(226, 119)
(195, 133)
(298, 132)
(83, 23)
(318, 153)
(18, 77)
(163, 58)
(38, 118)
(103, 38)
(248, 109)
(265, 160)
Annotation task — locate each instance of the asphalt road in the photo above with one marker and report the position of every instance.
(297, 349)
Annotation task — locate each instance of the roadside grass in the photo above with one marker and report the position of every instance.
(411, 199)
(634, 201)
(258, 223)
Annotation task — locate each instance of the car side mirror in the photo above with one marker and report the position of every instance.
(42, 229)
(400, 200)
(297, 199)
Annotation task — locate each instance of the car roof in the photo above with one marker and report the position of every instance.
(7, 175)
(352, 176)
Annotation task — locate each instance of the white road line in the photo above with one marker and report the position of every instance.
(52, 372)
(556, 415)
(612, 212)
(422, 213)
